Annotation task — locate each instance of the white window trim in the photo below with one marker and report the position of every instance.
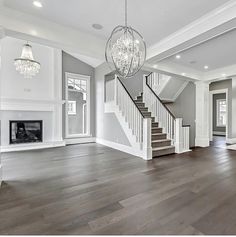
(78, 77)
(217, 113)
(73, 105)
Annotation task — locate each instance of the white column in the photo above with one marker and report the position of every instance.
(202, 114)
(147, 139)
(232, 118)
(178, 135)
(57, 94)
(1, 36)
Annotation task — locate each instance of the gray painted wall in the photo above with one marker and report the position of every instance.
(184, 107)
(227, 84)
(135, 84)
(215, 98)
(107, 126)
(74, 65)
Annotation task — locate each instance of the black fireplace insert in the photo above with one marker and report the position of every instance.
(26, 131)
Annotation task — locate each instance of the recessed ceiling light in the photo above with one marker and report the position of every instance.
(155, 66)
(206, 67)
(223, 75)
(178, 56)
(38, 4)
(183, 74)
(97, 26)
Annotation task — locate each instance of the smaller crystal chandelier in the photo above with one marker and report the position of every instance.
(26, 65)
(125, 50)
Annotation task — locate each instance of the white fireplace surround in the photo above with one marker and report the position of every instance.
(47, 111)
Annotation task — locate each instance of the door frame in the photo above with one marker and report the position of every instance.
(212, 93)
(78, 77)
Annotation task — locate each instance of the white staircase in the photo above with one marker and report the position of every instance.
(151, 128)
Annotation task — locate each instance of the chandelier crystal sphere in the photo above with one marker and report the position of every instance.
(125, 50)
(26, 65)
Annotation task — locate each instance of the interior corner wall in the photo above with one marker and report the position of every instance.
(108, 127)
(73, 65)
(185, 107)
(134, 85)
(227, 84)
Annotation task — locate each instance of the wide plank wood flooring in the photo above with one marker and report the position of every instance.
(92, 189)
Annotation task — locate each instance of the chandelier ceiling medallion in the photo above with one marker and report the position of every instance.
(26, 65)
(125, 50)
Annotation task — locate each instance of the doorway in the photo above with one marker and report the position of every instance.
(77, 104)
(219, 117)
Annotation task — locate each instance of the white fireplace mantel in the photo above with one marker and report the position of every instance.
(10, 104)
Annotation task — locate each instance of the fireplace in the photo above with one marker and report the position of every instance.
(26, 131)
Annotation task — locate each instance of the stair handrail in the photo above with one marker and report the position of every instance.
(176, 131)
(129, 110)
(172, 115)
(130, 96)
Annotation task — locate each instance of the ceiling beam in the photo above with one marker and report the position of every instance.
(213, 19)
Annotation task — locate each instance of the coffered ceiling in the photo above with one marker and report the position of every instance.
(212, 54)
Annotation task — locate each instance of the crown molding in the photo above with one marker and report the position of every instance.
(209, 21)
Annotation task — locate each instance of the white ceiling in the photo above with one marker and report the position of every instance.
(155, 19)
(216, 53)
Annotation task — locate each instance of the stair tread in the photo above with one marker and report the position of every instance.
(158, 134)
(162, 148)
(162, 140)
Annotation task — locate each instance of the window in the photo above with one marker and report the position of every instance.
(77, 105)
(72, 107)
(221, 113)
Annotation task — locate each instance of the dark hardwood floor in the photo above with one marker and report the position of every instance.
(92, 189)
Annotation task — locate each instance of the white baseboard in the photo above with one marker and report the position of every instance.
(80, 140)
(219, 133)
(202, 142)
(31, 146)
(231, 140)
(120, 147)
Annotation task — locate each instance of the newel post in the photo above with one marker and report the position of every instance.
(147, 138)
(178, 135)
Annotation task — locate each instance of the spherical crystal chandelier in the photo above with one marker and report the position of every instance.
(125, 50)
(26, 65)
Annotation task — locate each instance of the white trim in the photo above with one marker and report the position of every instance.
(33, 146)
(120, 147)
(231, 140)
(15, 104)
(219, 133)
(211, 93)
(88, 91)
(0, 175)
(202, 142)
(80, 140)
(218, 16)
(180, 90)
